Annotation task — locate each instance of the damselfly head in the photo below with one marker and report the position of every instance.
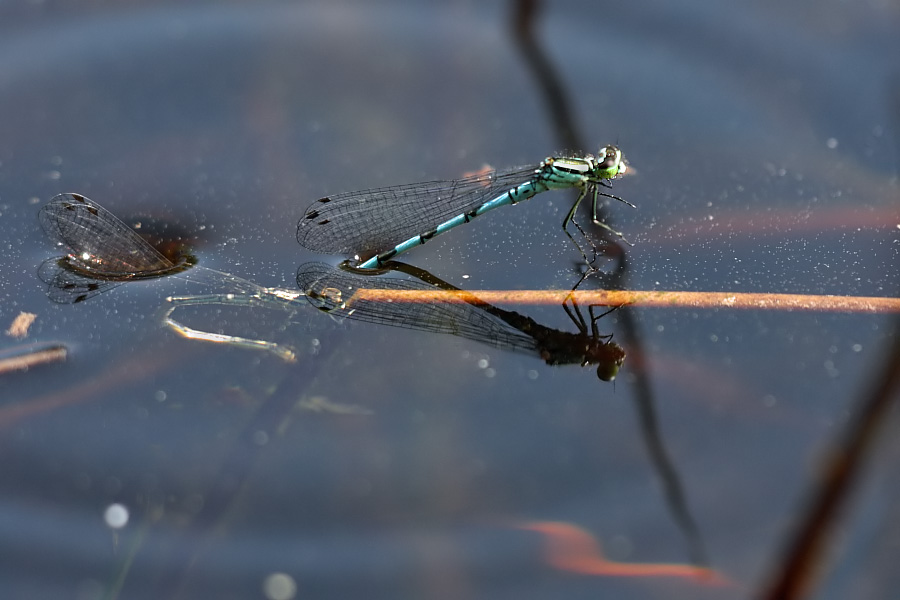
(611, 162)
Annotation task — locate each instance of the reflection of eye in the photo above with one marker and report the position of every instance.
(328, 299)
(333, 294)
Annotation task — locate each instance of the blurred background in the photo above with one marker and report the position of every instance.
(396, 463)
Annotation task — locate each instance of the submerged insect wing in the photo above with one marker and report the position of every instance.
(65, 286)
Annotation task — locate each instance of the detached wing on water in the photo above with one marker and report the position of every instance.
(97, 241)
(372, 221)
(332, 290)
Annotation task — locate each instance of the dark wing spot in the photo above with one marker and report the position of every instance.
(312, 214)
(79, 198)
(324, 200)
(93, 210)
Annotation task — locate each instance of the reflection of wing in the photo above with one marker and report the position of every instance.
(97, 241)
(67, 286)
(372, 221)
(334, 290)
(331, 290)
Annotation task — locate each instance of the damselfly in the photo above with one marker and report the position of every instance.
(101, 247)
(379, 224)
(104, 252)
(340, 293)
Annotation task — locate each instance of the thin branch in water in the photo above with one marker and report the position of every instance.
(646, 298)
(32, 356)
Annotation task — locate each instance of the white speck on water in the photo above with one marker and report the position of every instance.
(116, 516)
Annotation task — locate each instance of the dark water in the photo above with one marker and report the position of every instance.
(392, 463)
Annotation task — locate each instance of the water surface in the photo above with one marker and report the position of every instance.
(391, 463)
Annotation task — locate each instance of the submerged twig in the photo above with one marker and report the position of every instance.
(763, 301)
(32, 356)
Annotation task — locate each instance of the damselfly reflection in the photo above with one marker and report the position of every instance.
(336, 291)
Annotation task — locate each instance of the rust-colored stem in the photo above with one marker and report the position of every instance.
(763, 301)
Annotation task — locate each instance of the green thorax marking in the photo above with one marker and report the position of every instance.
(559, 172)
